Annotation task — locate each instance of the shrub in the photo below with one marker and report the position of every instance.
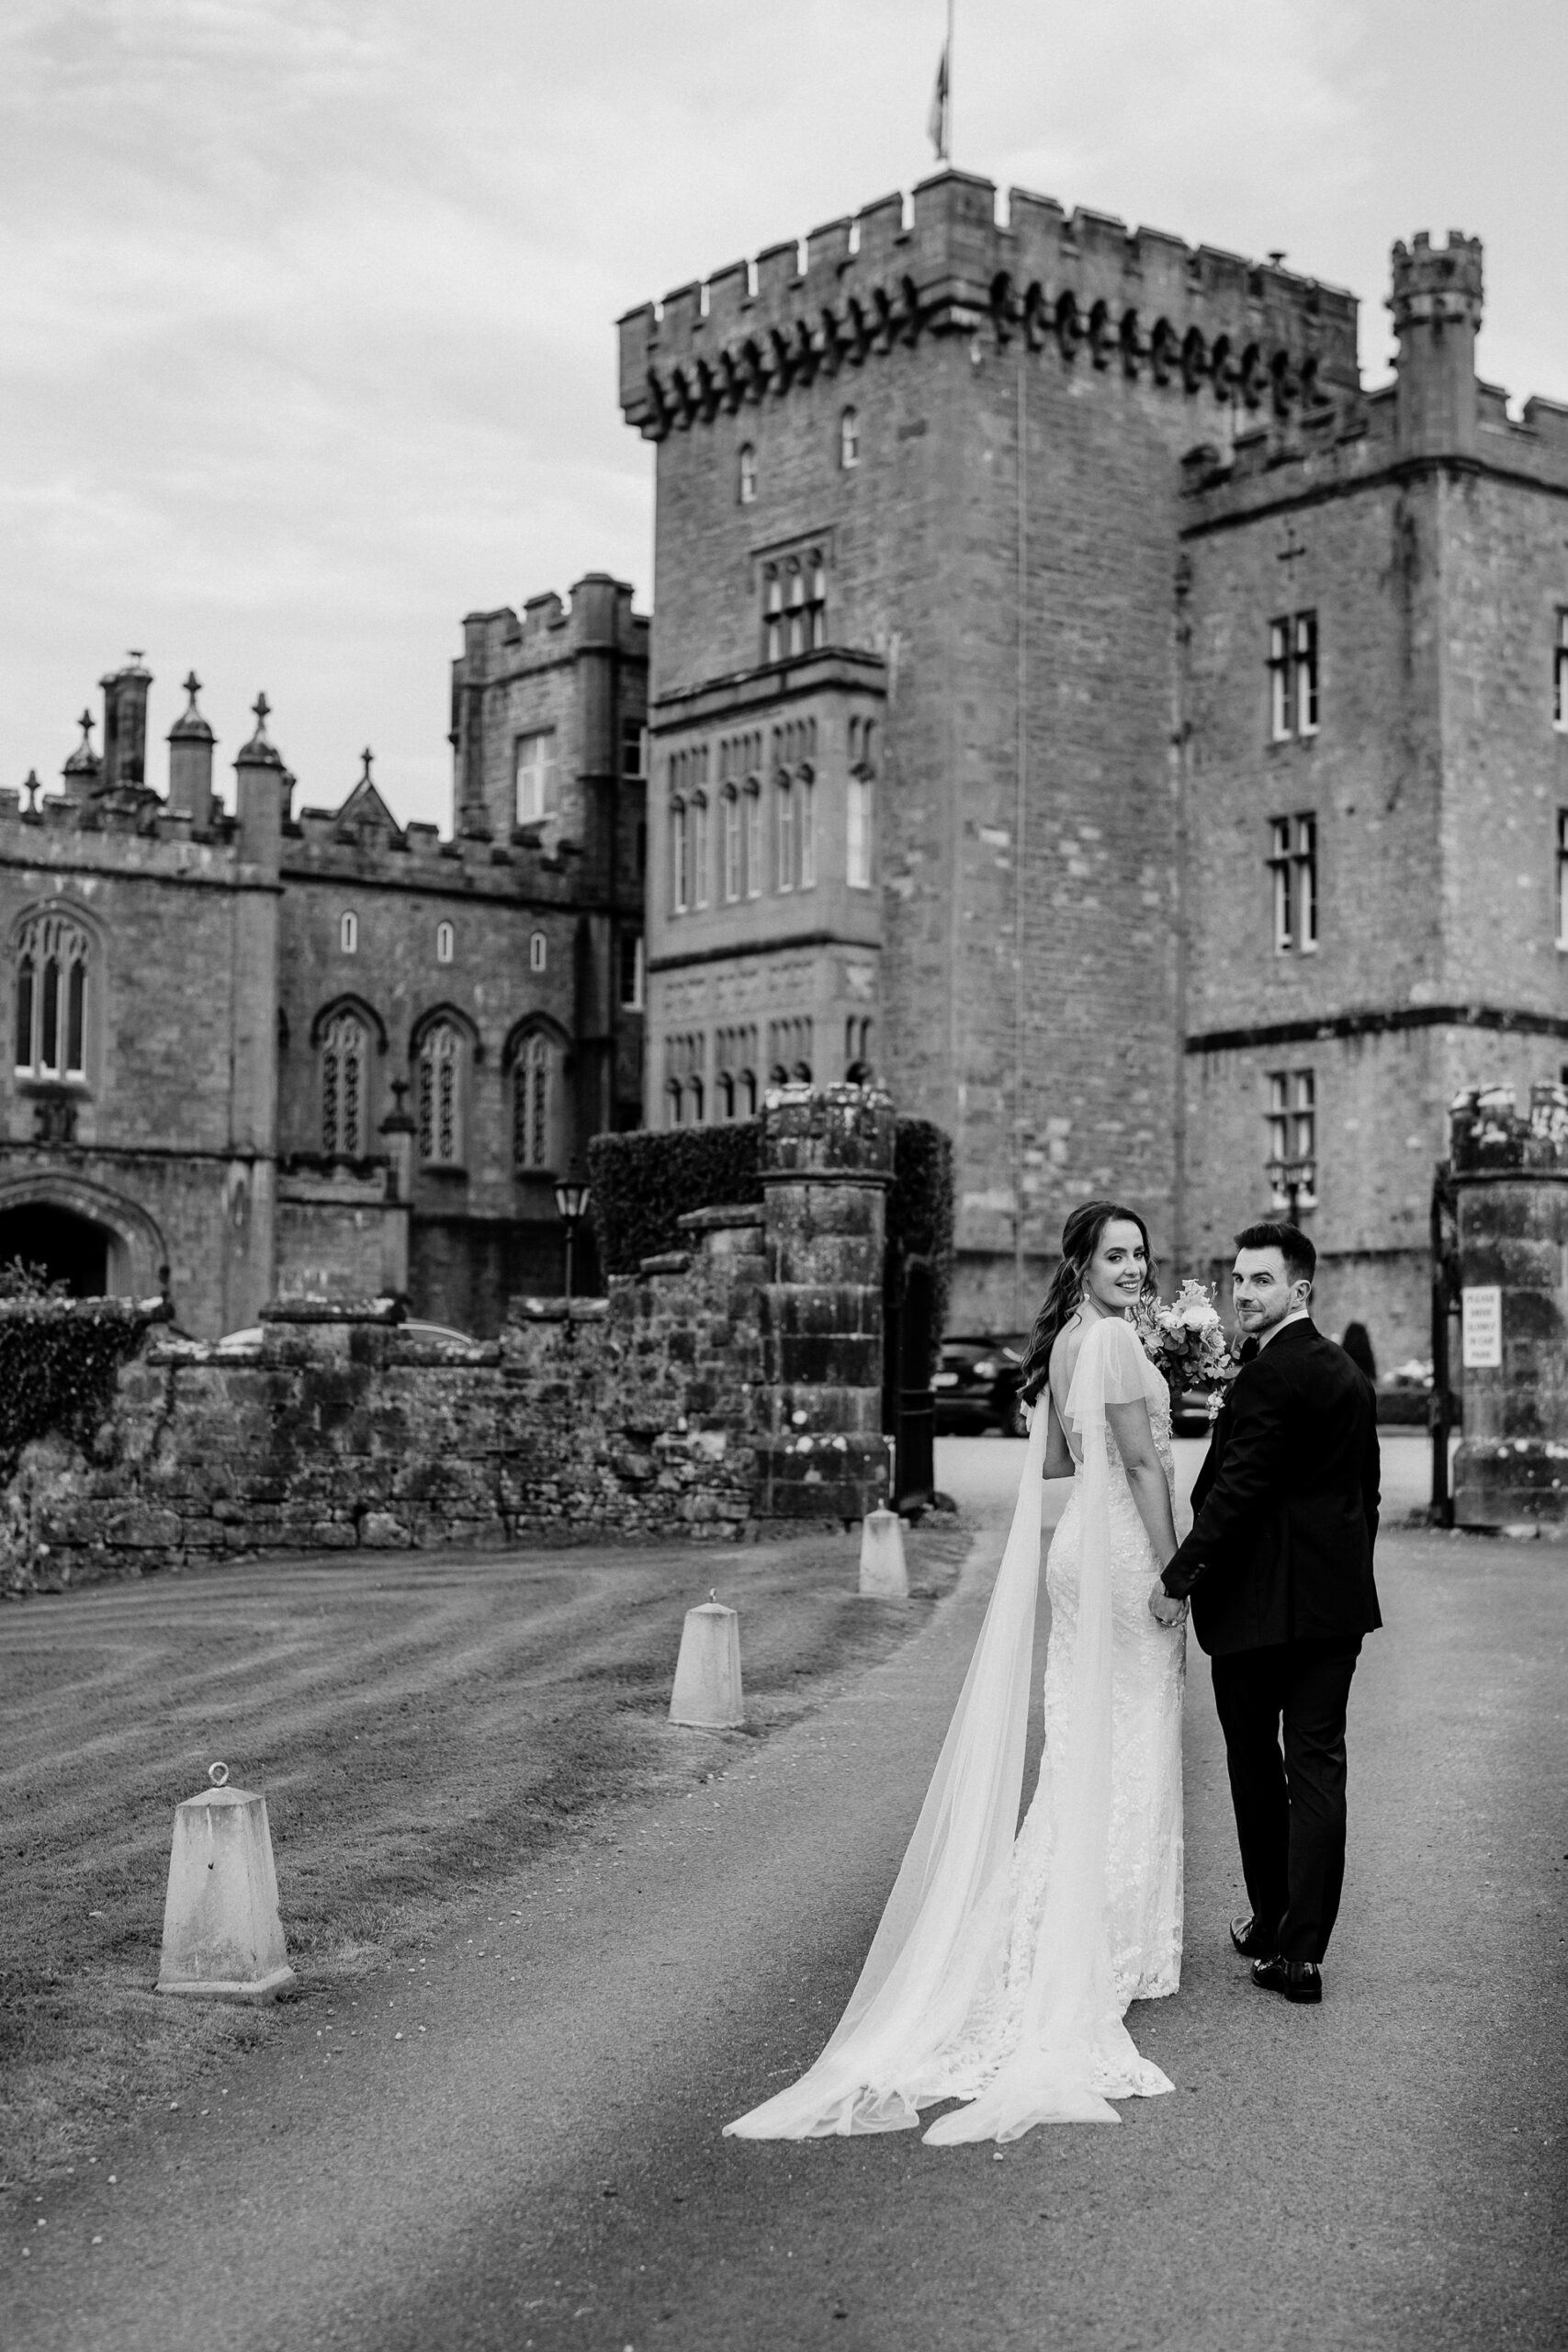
(645, 1180)
(58, 1362)
(919, 1213)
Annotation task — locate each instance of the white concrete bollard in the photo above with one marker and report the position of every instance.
(222, 1936)
(883, 1574)
(708, 1672)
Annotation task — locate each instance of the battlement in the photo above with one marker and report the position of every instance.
(597, 614)
(1137, 298)
(1432, 283)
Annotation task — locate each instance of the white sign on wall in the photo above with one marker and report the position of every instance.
(1483, 1313)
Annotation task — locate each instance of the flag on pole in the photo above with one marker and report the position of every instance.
(936, 121)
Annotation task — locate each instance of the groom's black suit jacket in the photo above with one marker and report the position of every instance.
(1286, 1503)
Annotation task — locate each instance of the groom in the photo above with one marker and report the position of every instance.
(1279, 1566)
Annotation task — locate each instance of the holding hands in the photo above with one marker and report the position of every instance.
(1164, 1607)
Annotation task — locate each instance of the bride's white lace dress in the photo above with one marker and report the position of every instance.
(1004, 1965)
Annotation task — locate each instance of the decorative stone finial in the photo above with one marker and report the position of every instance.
(84, 760)
(365, 757)
(258, 752)
(32, 787)
(191, 722)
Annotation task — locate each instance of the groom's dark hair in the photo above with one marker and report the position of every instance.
(1273, 1233)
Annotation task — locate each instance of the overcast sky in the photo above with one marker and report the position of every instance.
(307, 342)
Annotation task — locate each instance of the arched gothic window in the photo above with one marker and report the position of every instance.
(345, 1065)
(536, 1106)
(731, 851)
(806, 829)
(700, 850)
(784, 804)
(679, 896)
(53, 958)
(440, 1097)
(753, 839)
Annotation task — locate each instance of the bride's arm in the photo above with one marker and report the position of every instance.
(1146, 1474)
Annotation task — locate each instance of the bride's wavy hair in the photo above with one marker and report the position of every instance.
(1080, 1239)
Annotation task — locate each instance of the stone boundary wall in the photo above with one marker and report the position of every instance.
(732, 1386)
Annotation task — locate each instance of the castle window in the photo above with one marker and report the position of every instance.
(858, 862)
(795, 606)
(345, 1063)
(747, 473)
(631, 988)
(734, 1085)
(539, 951)
(536, 1101)
(849, 438)
(535, 774)
(806, 829)
(53, 960)
(730, 849)
(700, 850)
(679, 901)
(753, 839)
(685, 1066)
(1563, 878)
(1291, 1130)
(1292, 676)
(784, 806)
(633, 766)
(1292, 863)
(857, 1049)
(444, 943)
(440, 1097)
(1560, 673)
(348, 934)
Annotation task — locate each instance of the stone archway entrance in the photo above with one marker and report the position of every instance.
(64, 1247)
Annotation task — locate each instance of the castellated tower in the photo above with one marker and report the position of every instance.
(1436, 316)
(914, 802)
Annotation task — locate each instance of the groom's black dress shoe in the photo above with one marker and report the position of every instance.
(1298, 1980)
(1250, 1940)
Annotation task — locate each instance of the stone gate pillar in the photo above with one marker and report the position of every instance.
(827, 1162)
(1510, 1178)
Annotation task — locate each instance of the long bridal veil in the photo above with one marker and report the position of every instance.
(942, 1941)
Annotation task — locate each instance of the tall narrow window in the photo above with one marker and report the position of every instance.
(731, 852)
(346, 1061)
(631, 972)
(53, 956)
(1292, 863)
(535, 1081)
(784, 872)
(348, 934)
(1559, 672)
(440, 1104)
(753, 839)
(772, 614)
(1291, 1127)
(849, 437)
(679, 900)
(795, 604)
(633, 762)
(1563, 878)
(535, 774)
(445, 940)
(858, 864)
(700, 850)
(539, 951)
(747, 473)
(806, 831)
(1292, 676)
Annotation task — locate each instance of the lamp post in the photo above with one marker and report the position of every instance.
(1293, 1177)
(571, 1201)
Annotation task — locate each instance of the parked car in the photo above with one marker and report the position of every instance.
(975, 1387)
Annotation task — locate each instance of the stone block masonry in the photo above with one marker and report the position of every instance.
(726, 1387)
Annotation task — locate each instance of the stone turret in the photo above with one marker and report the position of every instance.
(1436, 316)
(191, 741)
(260, 785)
(84, 771)
(125, 725)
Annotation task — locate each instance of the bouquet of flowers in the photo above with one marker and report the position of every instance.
(1187, 1342)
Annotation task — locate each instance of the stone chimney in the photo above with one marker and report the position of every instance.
(191, 741)
(125, 725)
(1436, 314)
(83, 770)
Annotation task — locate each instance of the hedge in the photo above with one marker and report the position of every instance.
(645, 1180)
(58, 1358)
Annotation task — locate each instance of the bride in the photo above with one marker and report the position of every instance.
(1004, 1963)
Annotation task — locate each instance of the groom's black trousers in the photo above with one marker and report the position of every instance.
(1290, 1811)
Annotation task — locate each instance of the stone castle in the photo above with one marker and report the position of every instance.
(1071, 699)
(268, 1053)
(1074, 698)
